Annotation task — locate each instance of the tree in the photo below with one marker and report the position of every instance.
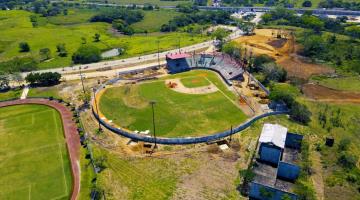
(219, 34)
(4, 81)
(86, 54)
(45, 54)
(307, 4)
(43, 79)
(348, 160)
(60, 48)
(344, 144)
(300, 113)
(247, 27)
(24, 47)
(97, 37)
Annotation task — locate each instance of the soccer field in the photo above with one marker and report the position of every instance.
(34, 159)
(177, 114)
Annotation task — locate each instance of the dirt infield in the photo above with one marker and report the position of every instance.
(322, 93)
(70, 132)
(197, 90)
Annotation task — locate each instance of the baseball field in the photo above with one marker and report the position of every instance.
(34, 159)
(193, 103)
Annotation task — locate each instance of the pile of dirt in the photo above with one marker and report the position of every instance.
(322, 93)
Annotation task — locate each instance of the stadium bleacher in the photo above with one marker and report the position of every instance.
(223, 64)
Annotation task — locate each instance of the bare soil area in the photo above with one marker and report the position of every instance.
(321, 93)
(284, 51)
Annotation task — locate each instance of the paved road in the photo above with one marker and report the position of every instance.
(134, 60)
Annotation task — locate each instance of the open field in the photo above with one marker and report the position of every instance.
(347, 83)
(35, 162)
(11, 94)
(153, 20)
(177, 114)
(322, 93)
(15, 27)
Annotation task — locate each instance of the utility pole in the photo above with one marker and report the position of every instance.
(158, 46)
(153, 120)
(82, 81)
(96, 107)
(231, 132)
(179, 44)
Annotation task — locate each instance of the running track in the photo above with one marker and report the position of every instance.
(70, 132)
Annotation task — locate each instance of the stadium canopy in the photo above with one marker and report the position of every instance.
(274, 134)
(175, 56)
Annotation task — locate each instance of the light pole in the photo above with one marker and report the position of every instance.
(158, 46)
(153, 120)
(82, 81)
(96, 107)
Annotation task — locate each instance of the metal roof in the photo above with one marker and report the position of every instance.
(274, 134)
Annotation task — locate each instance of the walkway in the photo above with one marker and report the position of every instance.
(70, 132)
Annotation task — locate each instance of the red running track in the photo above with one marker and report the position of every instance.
(70, 132)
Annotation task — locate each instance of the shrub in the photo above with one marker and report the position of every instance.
(300, 113)
(86, 54)
(347, 160)
(307, 4)
(344, 144)
(24, 47)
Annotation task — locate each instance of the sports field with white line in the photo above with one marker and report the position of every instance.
(177, 114)
(34, 159)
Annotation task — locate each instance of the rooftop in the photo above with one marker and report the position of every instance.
(177, 55)
(273, 133)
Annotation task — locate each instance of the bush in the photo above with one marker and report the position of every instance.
(347, 160)
(24, 47)
(300, 113)
(344, 144)
(86, 54)
(307, 4)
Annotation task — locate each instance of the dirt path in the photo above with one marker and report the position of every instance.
(317, 177)
(70, 133)
(325, 94)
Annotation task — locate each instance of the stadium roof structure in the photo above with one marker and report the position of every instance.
(174, 56)
(274, 134)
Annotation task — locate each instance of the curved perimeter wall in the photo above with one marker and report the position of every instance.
(70, 133)
(184, 140)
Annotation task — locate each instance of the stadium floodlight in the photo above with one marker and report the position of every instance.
(153, 120)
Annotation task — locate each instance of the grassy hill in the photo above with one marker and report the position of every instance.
(15, 27)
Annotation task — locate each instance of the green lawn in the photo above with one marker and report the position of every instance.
(15, 27)
(192, 82)
(75, 16)
(177, 114)
(349, 83)
(153, 20)
(11, 94)
(44, 92)
(34, 159)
